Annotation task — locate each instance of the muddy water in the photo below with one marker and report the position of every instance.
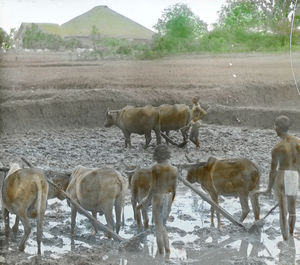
(192, 239)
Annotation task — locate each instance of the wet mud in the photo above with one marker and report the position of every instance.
(192, 239)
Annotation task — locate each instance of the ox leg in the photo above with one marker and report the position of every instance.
(95, 225)
(6, 221)
(118, 212)
(137, 215)
(167, 133)
(39, 231)
(73, 219)
(255, 206)
(157, 135)
(245, 207)
(145, 217)
(214, 197)
(127, 140)
(148, 139)
(184, 133)
(15, 228)
(107, 209)
(27, 230)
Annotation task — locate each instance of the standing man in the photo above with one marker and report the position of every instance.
(164, 177)
(285, 168)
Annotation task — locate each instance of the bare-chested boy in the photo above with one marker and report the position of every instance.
(197, 114)
(164, 177)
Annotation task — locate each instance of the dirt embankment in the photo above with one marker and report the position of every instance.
(41, 91)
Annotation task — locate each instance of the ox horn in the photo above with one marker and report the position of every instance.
(197, 162)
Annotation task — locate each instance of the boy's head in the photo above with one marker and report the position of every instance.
(282, 124)
(161, 153)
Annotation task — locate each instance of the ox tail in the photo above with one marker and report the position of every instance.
(255, 175)
(255, 178)
(40, 205)
(41, 198)
(120, 202)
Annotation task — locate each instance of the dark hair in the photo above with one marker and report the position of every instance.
(161, 153)
(282, 123)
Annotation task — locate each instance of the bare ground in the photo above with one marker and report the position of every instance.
(52, 111)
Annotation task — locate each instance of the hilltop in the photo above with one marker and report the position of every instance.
(108, 22)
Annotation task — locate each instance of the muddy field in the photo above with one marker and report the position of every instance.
(52, 112)
(192, 239)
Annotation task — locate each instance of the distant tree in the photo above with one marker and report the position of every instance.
(265, 21)
(3, 37)
(240, 15)
(177, 27)
(35, 38)
(95, 36)
(268, 15)
(7, 40)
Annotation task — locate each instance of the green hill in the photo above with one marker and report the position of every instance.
(108, 22)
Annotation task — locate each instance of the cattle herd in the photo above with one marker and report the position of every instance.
(25, 190)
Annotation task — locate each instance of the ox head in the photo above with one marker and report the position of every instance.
(201, 171)
(110, 117)
(61, 180)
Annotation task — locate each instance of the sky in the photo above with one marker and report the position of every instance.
(144, 12)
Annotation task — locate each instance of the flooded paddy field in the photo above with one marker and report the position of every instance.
(192, 239)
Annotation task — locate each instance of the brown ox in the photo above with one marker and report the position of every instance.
(140, 183)
(97, 189)
(178, 117)
(141, 120)
(230, 177)
(24, 193)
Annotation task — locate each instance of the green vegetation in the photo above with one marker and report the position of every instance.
(6, 40)
(243, 26)
(35, 38)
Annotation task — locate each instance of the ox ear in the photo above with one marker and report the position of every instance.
(210, 162)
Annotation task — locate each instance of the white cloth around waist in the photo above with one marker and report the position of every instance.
(291, 182)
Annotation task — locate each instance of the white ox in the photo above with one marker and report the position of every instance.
(24, 193)
(97, 189)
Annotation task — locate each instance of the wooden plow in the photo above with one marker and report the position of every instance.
(252, 229)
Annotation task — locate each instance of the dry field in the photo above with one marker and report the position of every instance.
(42, 90)
(52, 112)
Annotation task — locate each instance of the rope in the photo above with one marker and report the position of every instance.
(291, 37)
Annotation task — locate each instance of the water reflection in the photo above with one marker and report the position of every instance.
(287, 254)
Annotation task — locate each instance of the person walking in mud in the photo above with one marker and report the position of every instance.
(284, 175)
(197, 114)
(162, 190)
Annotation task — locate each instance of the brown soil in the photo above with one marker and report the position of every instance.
(46, 90)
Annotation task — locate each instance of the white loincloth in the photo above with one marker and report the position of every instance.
(291, 182)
